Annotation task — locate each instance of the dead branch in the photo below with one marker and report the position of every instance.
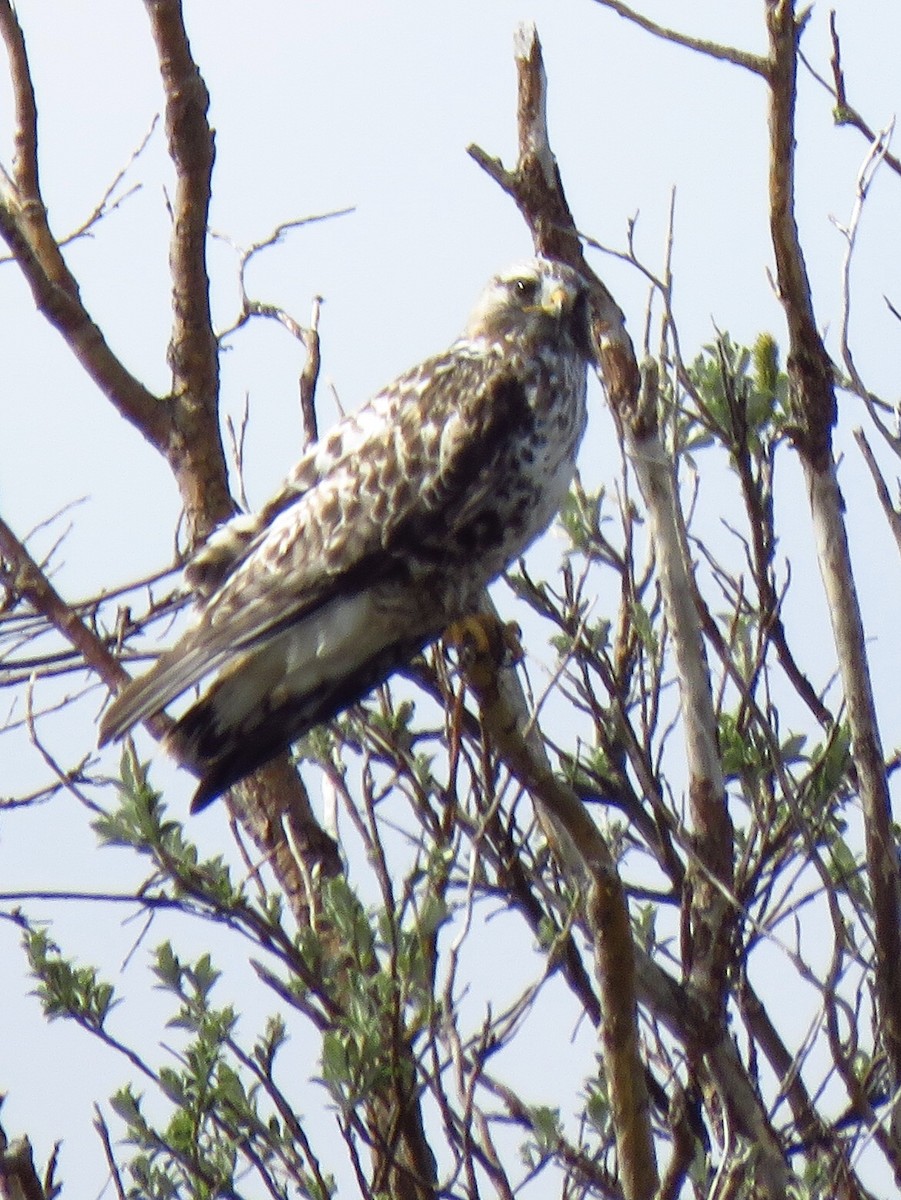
(19, 1179)
(194, 447)
(505, 717)
(536, 187)
(309, 377)
(109, 202)
(875, 156)
(711, 826)
(813, 396)
(885, 500)
(307, 336)
(103, 1133)
(844, 112)
(25, 580)
(24, 227)
(247, 254)
(184, 427)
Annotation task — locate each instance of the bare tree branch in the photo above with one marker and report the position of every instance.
(536, 187)
(309, 377)
(308, 337)
(194, 447)
(25, 580)
(738, 58)
(892, 515)
(709, 905)
(875, 156)
(844, 112)
(23, 225)
(19, 1179)
(505, 718)
(109, 201)
(810, 372)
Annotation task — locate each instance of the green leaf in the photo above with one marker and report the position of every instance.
(127, 1105)
(546, 1127)
(172, 1085)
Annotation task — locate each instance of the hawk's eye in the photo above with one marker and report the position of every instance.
(525, 290)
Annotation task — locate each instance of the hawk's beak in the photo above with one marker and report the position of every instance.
(557, 301)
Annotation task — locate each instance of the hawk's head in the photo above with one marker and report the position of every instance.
(539, 299)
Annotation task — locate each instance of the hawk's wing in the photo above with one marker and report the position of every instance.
(395, 480)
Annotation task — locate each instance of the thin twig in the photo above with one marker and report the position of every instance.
(875, 157)
(26, 580)
(104, 1134)
(309, 377)
(738, 58)
(891, 513)
(844, 112)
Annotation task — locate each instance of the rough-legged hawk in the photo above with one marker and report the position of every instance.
(386, 531)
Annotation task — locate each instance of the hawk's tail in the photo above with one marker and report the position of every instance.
(222, 741)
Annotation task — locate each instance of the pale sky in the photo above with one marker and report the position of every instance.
(371, 104)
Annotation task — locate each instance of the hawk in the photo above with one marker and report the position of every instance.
(386, 531)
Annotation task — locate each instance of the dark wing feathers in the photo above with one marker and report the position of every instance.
(199, 743)
(470, 444)
(398, 477)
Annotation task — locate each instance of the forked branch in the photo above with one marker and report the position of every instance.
(536, 187)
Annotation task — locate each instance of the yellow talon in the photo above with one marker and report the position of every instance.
(482, 635)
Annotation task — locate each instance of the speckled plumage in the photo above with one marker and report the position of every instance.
(386, 530)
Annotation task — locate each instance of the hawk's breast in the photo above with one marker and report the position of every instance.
(532, 471)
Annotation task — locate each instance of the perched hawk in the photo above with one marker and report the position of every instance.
(386, 531)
